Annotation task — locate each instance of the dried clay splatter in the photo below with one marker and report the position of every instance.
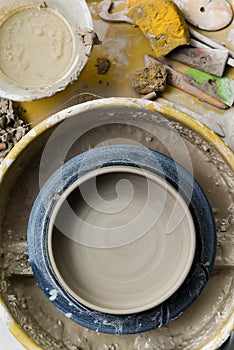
(52, 330)
(12, 127)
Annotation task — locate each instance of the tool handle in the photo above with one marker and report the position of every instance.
(179, 81)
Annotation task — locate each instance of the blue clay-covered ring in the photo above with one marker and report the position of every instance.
(134, 156)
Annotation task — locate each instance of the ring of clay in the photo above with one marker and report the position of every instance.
(205, 240)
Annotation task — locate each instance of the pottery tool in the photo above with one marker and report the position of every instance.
(150, 96)
(210, 15)
(120, 16)
(222, 88)
(182, 82)
(197, 44)
(208, 41)
(201, 41)
(211, 61)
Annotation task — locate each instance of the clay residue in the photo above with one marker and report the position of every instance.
(37, 47)
(16, 261)
(151, 78)
(12, 127)
(103, 65)
(47, 326)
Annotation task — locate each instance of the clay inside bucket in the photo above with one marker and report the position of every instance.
(42, 50)
(108, 241)
(48, 327)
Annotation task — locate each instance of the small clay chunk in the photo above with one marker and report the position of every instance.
(43, 5)
(151, 78)
(103, 65)
(12, 128)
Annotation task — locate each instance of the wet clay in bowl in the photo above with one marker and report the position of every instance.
(44, 46)
(108, 240)
(51, 262)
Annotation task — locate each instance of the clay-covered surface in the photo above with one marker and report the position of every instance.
(124, 47)
(203, 320)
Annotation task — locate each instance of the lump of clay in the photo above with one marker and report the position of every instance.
(162, 23)
(12, 128)
(151, 78)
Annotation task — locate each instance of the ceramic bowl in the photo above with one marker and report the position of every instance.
(81, 275)
(44, 46)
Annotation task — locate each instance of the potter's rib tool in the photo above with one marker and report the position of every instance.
(212, 61)
(181, 81)
(209, 15)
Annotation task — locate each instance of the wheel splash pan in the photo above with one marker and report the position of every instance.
(26, 311)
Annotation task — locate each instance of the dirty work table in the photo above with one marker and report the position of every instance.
(125, 46)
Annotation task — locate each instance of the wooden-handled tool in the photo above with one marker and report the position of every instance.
(209, 15)
(212, 61)
(180, 81)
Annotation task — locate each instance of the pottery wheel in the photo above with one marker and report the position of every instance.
(44, 324)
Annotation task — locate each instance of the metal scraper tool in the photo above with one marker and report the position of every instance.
(208, 60)
(220, 88)
(202, 42)
(182, 82)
